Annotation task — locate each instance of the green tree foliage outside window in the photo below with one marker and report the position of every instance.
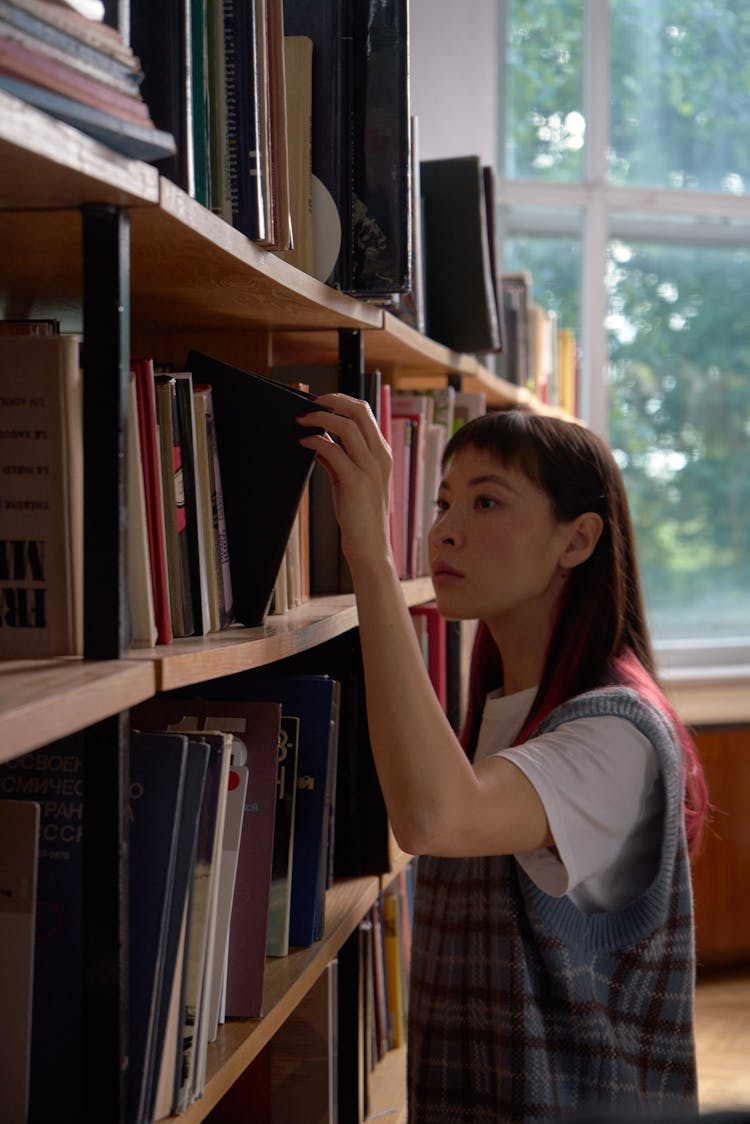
(678, 327)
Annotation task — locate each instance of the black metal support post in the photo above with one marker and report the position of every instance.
(106, 362)
(351, 362)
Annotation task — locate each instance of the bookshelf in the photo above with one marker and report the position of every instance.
(176, 275)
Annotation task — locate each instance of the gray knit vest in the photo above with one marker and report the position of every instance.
(523, 1008)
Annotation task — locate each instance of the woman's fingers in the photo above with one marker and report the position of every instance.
(353, 425)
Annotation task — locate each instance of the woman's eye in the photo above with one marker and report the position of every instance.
(440, 506)
(485, 503)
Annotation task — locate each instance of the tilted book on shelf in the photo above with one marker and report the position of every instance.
(41, 463)
(157, 779)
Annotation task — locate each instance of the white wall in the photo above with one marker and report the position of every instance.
(453, 54)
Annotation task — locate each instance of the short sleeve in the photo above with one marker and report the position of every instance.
(597, 779)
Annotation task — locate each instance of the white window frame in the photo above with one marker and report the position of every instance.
(596, 212)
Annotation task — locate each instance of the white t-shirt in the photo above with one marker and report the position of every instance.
(599, 781)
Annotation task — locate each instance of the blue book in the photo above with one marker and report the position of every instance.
(157, 779)
(195, 775)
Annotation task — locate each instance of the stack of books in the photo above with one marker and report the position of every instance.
(62, 58)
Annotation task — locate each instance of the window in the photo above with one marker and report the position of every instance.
(625, 180)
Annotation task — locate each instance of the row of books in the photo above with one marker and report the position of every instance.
(541, 353)
(292, 122)
(243, 810)
(231, 834)
(62, 58)
(228, 517)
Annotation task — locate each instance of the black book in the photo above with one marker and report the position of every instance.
(160, 38)
(327, 24)
(381, 218)
(246, 184)
(157, 780)
(264, 470)
(461, 308)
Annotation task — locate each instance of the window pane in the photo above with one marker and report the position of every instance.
(544, 123)
(679, 332)
(680, 94)
(555, 267)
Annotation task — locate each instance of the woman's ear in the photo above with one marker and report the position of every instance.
(584, 535)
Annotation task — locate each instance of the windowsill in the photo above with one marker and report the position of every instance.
(709, 696)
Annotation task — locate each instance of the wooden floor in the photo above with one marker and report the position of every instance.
(722, 1031)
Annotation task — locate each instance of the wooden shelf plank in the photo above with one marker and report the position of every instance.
(218, 279)
(42, 700)
(45, 163)
(194, 659)
(286, 982)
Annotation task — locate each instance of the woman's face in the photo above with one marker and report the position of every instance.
(495, 547)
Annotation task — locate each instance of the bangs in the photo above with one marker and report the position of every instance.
(510, 437)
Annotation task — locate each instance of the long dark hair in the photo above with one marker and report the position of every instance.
(600, 635)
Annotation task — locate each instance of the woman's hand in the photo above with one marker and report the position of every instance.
(358, 461)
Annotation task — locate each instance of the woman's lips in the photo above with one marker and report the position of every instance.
(444, 573)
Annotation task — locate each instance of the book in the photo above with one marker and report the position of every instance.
(401, 441)
(277, 124)
(323, 21)
(304, 1057)
(259, 454)
(193, 500)
(245, 184)
(419, 410)
(140, 588)
(159, 1097)
(41, 462)
(436, 647)
(53, 777)
(206, 510)
(280, 894)
(380, 216)
(202, 919)
(298, 53)
(160, 37)
(19, 847)
(143, 372)
(205, 409)
(235, 813)
(157, 779)
(179, 570)
(219, 200)
(394, 965)
(460, 303)
(257, 725)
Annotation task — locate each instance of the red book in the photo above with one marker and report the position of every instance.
(436, 647)
(143, 370)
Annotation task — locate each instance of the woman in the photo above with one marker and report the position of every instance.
(552, 956)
